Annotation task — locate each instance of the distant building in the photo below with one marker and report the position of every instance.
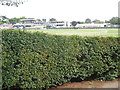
(92, 25)
(6, 26)
(114, 26)
(28, 21)
(59, 24)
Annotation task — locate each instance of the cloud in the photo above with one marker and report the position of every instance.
(64, 9)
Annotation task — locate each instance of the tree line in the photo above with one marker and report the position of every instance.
(113, 20)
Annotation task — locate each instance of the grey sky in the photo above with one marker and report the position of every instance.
(64, 9)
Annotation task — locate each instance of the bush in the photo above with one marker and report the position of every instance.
(39, 60)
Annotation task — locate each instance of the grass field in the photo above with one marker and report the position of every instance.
(81, 32)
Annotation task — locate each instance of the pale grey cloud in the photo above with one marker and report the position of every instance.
(64, 9)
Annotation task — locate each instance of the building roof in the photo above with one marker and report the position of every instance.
(28, 19)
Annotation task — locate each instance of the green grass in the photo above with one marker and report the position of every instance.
(80, 32)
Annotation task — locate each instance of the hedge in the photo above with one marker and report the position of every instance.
(39, 60)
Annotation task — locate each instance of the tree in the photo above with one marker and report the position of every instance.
(115, 20)
(78, 22)
(22, 17)
(15, 20)
(88, 20)
(4, 19)
(52, 19)
(97, 21)
(2, 22)
(12, 2)
(74, 23)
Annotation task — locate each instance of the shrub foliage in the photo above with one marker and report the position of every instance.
(39, 60)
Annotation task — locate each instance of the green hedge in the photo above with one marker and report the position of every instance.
(39, 60)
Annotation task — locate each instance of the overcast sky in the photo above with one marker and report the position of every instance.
(64, 9)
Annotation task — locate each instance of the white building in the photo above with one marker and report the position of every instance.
(92, 25)
(59, 24)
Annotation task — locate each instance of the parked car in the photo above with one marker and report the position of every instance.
(18, 27)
